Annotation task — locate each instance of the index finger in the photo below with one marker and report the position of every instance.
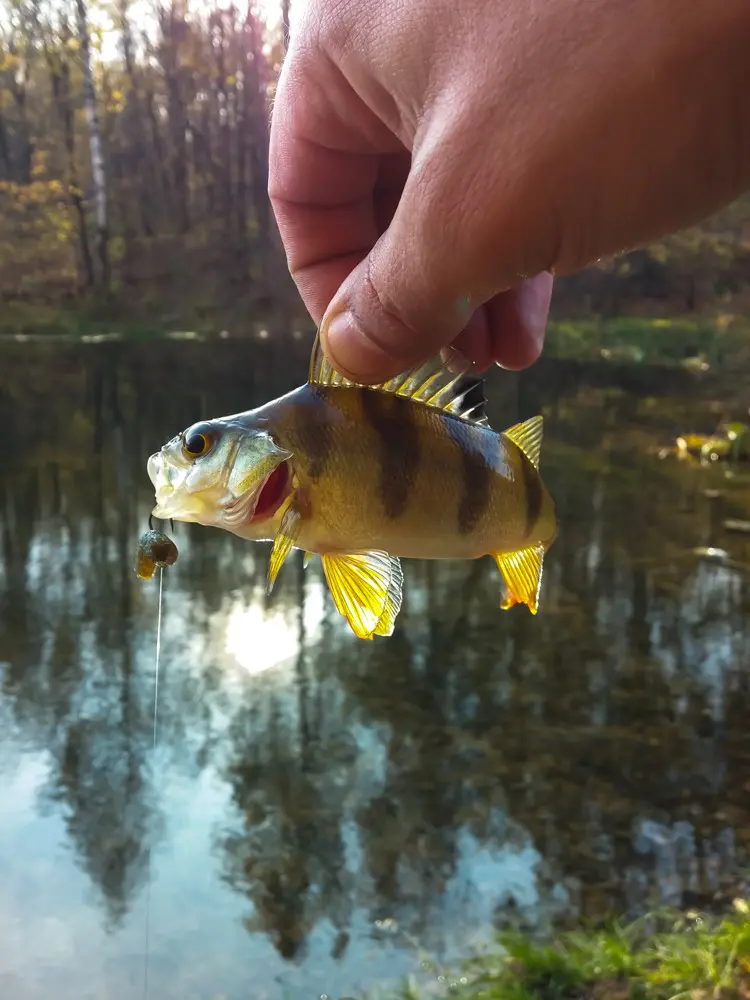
(324, 167)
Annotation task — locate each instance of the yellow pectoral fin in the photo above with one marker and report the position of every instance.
(283, 543)
(366, 588)
(522, 572)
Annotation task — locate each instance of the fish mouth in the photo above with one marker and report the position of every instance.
(262, 502)
(216, 504)
(158, 473)
(173, 501)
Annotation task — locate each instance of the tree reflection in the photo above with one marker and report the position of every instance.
(609, 732)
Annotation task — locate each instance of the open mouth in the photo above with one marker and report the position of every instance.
(158, 473)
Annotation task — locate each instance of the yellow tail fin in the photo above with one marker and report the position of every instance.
(522, 573)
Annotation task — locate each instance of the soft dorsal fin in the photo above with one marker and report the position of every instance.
(528, 436)
(443, 382)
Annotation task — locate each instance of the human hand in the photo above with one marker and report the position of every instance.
(432, 162)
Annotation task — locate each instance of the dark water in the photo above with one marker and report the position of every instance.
(321, 813)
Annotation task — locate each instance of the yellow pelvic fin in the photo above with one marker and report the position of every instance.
(528, 437)
(366, 588)
(306, 560)
(437, 383)
(283, 544)
(522, 572)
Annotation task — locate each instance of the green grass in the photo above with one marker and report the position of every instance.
(664, 956)
(634, 339)
(138, 317)
(39, 319)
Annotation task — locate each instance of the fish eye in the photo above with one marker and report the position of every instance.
(196, 443)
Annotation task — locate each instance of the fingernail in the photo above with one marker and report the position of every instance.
(349, 348)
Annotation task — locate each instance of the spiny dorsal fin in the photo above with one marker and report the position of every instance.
(443, 382)
(528, 437)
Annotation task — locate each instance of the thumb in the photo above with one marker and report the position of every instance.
(392, 312)
(418, 287)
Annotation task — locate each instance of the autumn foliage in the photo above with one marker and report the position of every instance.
(179, 106)
(133, 175)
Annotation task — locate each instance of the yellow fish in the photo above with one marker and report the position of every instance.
(365, 475)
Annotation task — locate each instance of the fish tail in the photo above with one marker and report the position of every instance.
(522, 573)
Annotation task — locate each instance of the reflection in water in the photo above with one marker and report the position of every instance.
(318, 808)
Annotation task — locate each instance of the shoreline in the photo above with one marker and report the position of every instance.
(663, 955)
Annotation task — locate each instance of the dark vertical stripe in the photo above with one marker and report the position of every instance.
(399, 452)
(312, 433)
(532, 491)
(477, 490)
(473, 444)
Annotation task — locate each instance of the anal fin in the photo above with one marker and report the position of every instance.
(522, 573)
(392, 604)
(367, 590)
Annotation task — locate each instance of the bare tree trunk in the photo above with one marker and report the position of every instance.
(59, 74)
(173, 28)
(285, 22)
(134, 119)
(225, 150)
(160, 167)
(242, 105)
(4, 150)
(19, 90)
(95, 145)
(259, 143)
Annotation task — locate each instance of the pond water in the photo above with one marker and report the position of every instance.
(321, 814)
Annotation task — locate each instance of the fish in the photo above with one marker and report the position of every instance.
(364, 476)
(155, 549)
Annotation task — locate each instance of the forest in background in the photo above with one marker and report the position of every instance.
(133, 180)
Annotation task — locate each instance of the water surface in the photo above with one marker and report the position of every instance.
(322, 813)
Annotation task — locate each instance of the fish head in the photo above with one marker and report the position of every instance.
(224, 473)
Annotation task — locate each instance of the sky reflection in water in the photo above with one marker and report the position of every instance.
(320, 809)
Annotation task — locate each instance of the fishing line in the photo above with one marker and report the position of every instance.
(147, 943)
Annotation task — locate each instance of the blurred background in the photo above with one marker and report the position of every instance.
(323, 816)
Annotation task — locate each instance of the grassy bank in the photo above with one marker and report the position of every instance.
(641, 340)
(664, 956)
(104, 319)
(722, 341)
